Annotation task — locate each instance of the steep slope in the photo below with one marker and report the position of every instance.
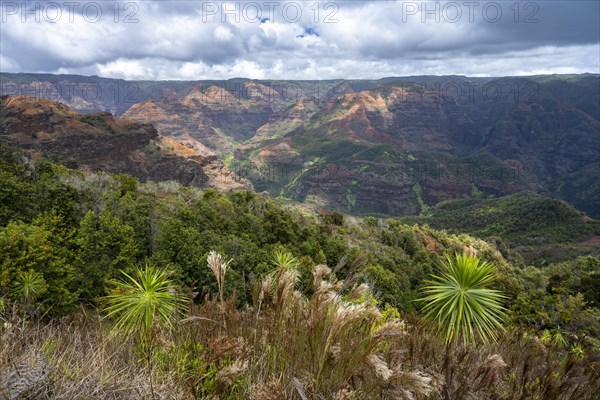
(223, 115)
(390, 146)
(214, 116)
(403, 134)
(538, 228)
(100, 142)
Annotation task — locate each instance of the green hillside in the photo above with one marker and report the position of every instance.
(538, 228)
(301, 294)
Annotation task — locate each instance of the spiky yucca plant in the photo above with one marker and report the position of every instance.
(143, 301)
(29, 285)
(284, 260)
(460, 301)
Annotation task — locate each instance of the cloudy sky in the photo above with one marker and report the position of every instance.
(192, 40)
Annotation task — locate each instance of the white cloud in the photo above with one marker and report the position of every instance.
(189, 40)
(223, 34)
(129, 69)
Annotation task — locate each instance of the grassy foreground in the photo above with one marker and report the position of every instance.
(252, 328)
(331, 342)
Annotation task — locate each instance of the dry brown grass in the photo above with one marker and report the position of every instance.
(291, 346)
(332, 345)
(87, 361)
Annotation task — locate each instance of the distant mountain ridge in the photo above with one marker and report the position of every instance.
(391, 146)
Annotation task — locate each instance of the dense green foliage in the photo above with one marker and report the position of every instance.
(80, 232)
(527, 227)
(98, 121)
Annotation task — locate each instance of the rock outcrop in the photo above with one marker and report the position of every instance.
(390, 146)
(100, 142)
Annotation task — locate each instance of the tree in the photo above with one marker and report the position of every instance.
(459, 301)
(389, 286)
(52, 195)
(40, 247)
(106, 246)
(29, 285)
(16, 198)
(146, 300)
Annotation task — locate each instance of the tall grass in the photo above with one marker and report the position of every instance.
(86, 361)
(219, 267)
(333, 344)
(288, 345)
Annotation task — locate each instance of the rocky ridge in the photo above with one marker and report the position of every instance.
(100, 142)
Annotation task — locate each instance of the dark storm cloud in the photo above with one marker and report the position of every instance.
(551, 22)
(287, 39)
(479, 27)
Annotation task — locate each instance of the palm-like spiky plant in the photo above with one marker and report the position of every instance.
(29, 285)
(460, 302)
(284, 260)
(146, 299)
